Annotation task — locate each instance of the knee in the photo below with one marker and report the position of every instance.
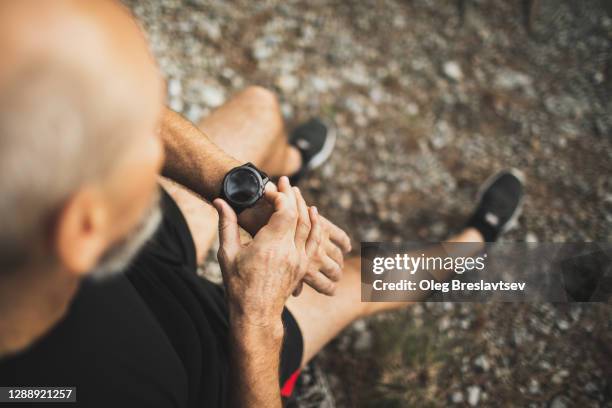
(264, 98)
(267, 109)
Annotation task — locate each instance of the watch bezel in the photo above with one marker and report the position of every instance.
(259, 176)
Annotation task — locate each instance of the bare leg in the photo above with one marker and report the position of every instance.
(321, 318)
(250, 128)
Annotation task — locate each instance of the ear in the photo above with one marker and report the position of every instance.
(80, 236)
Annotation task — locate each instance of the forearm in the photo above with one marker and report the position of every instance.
(192, 159)
(255, 360)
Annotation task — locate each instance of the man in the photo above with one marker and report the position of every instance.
(98, 284)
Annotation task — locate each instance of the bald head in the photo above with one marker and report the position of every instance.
(96, 44)
(78, 90)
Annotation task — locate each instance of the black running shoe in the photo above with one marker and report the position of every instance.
(499, 204)
(315, 141)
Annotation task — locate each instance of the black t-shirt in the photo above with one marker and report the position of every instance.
(154, 336)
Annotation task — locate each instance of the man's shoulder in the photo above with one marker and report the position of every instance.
(109, 346)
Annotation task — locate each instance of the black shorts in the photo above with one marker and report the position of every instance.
(172, 250)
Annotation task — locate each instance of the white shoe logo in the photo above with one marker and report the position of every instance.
(492, 219)
(303, 144)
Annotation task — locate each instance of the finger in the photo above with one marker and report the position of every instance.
(315, 235)
(337, 235)
(285, 187)
(298, 289)
(270, 192)
(284, 218)
(334, 252)
(229, 233)
(303, 224)
(320, 283)
(331, 269)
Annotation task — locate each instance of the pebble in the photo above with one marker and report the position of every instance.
(482, 362)
(457, 397)
(287, 83)
(176, 104)
(194, 113)
(509, 79)
(452, 70)
(211, 28)
(412, 109)
(534, 386)
(345, 200)
(473, 395)
(174, 87)
(212, 96)
(363, 342)
(558, 402)
(563, 325)
(319, 84)
(442, 135)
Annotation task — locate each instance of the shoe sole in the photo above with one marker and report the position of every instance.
(327, 149)
(512, 222)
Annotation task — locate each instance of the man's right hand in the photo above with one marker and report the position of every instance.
(261, 275)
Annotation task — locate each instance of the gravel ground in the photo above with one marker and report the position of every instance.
(431, 97)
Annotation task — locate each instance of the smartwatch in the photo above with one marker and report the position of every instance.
(243, 186)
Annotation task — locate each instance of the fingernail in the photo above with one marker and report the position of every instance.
(314, 210)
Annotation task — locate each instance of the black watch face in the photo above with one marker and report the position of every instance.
(242, 187)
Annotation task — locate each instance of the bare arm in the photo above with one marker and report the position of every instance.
(192, 159)
(254, 366)
(258, 278)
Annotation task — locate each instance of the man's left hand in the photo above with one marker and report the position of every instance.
(335, 242)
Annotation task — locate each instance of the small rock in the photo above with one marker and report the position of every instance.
(442, 135)
(453, 70)
(194, 113)
(558, 402)
(212, 96)
(558, 377)
(444, 323)
(176, 104)
(319, 84)
(357, 74)
(359, 325)
(287, 110)
(345, 200)
(174, 87)
(563, 325)
(287, 83)
(534, 386)
(482, 362)
(363, 342)
(211, 29)
(473, 395)
(371, 235)
(361, 121)
(509, 79)
(457, 397)
(412, 109)
(263, 48)
(590, 387)
(438, 229)
(377, 94)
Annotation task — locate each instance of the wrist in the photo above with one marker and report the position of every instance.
(247, 332)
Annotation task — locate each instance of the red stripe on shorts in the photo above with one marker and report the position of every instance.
(287, 389)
